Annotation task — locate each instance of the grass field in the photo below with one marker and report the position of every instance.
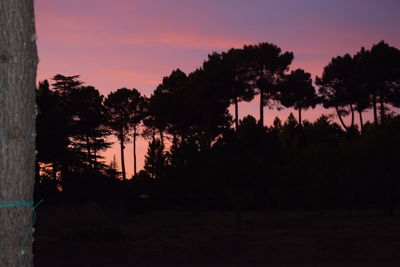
(90, 236)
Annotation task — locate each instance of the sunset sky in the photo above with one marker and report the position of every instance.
(134, 43)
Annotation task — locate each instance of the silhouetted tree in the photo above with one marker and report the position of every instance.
(119, 109)
(112, 169)
(70, 131)
(88, 123)
(384, 73)
(155, 160)
(169, 106)
(137, 113)
(52, 127)
(64, 88)
(65, 85)
(361, 89)
(335, 87)
(266, 65)
(361, 81)
(209, 164)
(297, 91)
(211, 117)
(226, 72)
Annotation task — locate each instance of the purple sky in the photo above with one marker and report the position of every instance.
(134, 43)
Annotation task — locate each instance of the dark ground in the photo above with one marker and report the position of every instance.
(89, 236)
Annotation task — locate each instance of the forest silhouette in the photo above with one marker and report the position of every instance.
(201, 157)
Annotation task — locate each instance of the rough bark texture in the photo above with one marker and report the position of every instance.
(18, 64)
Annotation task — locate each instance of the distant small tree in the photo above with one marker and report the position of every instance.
(277, 124)
(155, 160)
(112, 169)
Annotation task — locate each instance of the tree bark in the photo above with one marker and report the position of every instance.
(18, 64)
(134, 150)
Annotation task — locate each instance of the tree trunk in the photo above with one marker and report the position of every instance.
(238, 211)
(134, 151)
(382, 109)
(300, 123)
(236, 114)
(261, 126)
(341, 119)
(261, 108)
(352, 115)
(361, 122)
(374, 108)
(18, 64)
(121, 141)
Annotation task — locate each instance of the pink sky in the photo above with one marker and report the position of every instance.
(134, 43)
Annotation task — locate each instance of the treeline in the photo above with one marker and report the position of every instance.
(201, 156)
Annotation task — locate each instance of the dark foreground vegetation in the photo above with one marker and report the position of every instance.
(207, 173)
(89, 236)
